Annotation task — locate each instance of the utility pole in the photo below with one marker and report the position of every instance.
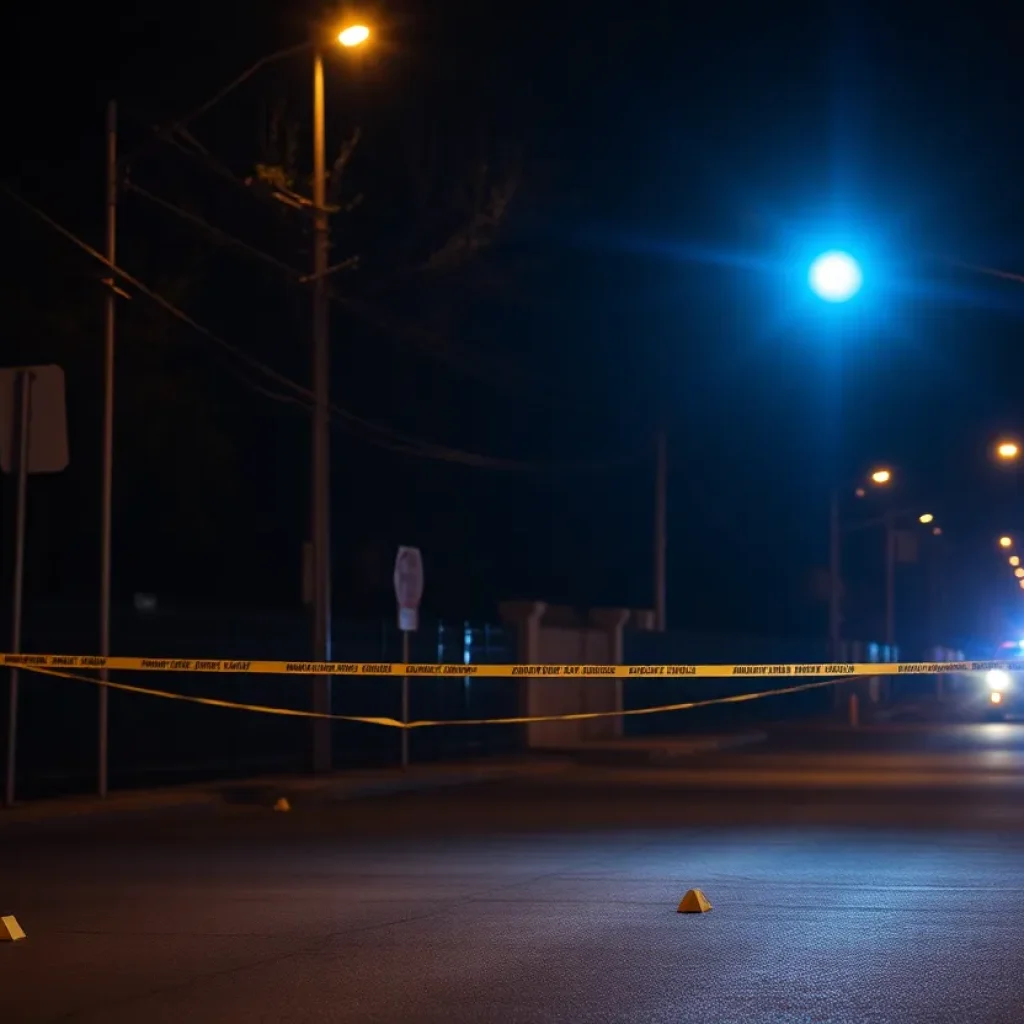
(890, 583)
(835, 582)
(660, 527)
(321, 468)
(936, 595)
(106, 516)
(21, 448)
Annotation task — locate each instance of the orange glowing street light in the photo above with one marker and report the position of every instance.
(1008, 451)
(348, 36)
(880, 476)
(926, 518)
(1014, 559)
(353, 35)
(1006, 542)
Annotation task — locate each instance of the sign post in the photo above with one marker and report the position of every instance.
(33, 439)
(408, 593)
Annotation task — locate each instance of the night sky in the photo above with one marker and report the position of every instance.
(675, 171)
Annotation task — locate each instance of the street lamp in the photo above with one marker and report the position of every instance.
(926, 518)
(353, 35)
(1008, 451)
(1006, 542)
(1014, 560)
(880, 477)
(835, 276)
(350, 36)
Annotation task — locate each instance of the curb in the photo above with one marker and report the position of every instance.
(680, 752)
(312, 792)
(658, 752)
(298, 791)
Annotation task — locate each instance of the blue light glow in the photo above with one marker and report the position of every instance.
(835, 276)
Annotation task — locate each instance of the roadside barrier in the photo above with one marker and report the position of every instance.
(374, 668)
(820, 675)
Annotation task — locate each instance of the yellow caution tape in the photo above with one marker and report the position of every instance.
(394, 723)
(374, 668)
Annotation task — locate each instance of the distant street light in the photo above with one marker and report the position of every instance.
(880, 477)
(926, 518)
(1019, 573)
(1008, 451)
(835, 276)
(1006, 542)
(1014, 559)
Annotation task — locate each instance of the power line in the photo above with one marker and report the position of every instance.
(1006, 275)
(218, 233)
(181, 123)
(174, 133)
(385, 436)
(430, 342)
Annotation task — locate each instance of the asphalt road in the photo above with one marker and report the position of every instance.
(550, 901)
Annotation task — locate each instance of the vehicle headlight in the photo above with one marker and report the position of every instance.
(998, 680)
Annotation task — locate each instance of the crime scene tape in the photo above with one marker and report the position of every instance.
(367, 668)
(394, 723)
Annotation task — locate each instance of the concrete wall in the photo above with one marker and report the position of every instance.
(554, 635)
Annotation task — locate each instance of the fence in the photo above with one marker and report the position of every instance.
(154, 741)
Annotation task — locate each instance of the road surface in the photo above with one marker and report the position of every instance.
(552, 900)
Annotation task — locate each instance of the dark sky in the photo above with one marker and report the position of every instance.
(679, 169)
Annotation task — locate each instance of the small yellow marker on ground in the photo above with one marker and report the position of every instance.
(10, 930)
(282, 804)
(694, 902)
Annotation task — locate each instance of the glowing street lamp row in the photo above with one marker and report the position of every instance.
(836, 277)
(1006, 543)
(882, 476)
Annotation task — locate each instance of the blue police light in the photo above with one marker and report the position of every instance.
(835, 276)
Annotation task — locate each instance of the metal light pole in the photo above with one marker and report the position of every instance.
(108, 448)
(835, 583)
(20, 435)
(660, 529)
(890, 582)
(321, 490)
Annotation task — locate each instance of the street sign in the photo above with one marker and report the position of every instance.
(408, 588)
(47, 419)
